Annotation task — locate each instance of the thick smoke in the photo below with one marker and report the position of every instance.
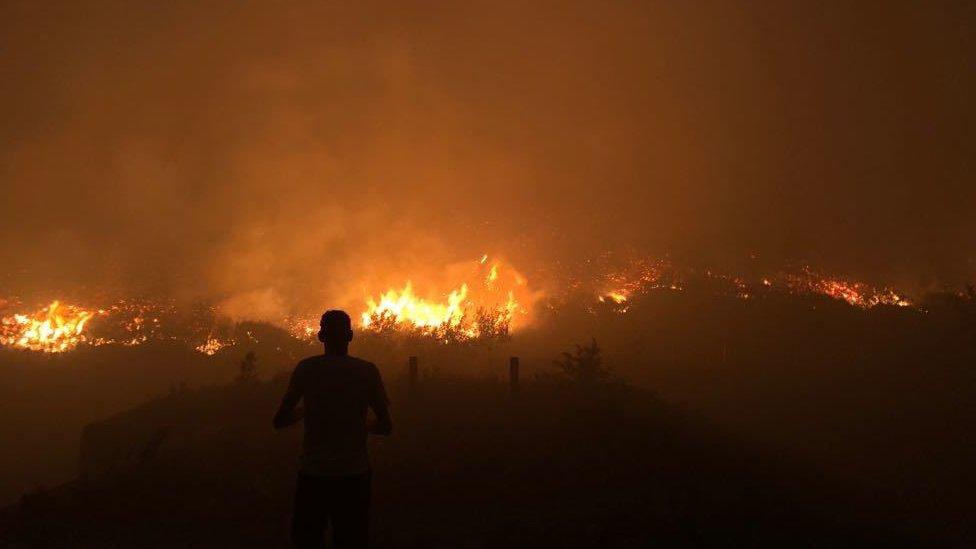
(274, 155)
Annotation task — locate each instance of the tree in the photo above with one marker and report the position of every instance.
(248, 368)
(584, 365)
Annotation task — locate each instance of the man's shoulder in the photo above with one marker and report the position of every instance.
(310, 361)
(348, 360)
(360, 363)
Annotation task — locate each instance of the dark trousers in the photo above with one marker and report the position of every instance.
(342, 500)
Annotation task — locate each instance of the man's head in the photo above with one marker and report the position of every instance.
(335, 329)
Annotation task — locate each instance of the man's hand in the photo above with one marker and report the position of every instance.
(286, 417)
(382, 424)
(289, 412)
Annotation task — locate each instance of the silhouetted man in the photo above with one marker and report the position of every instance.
(334, 480)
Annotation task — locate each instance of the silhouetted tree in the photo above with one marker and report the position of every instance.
(248, 368)
(584, 365)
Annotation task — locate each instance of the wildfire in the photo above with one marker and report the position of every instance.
(405, 306)
(485, 304)
(641, 276)
(479, 299)
(478, 309)
(301, 327)
(54, 329)
(857, 294)
(618, 286)
(212, 345)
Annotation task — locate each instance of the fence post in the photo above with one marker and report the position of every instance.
(513, 373)
(412, 362)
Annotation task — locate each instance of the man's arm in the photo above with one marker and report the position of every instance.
(288, 413)
(380, 405)
(384, 423)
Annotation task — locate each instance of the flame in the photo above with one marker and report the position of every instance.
(484, 305)
(301, 328)
(54, 329)
(405, 306)
(212, 345)
(470, 310)
(857, 294)
(638, 277)
(481, 298)
(617, 297)
(492, 275)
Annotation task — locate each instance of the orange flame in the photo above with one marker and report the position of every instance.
(54, 329)
(857, 294)
(470, 310)
(405, 306)
(212, 345)
(617, 297)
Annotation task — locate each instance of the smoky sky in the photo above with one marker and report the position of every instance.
(219, 148)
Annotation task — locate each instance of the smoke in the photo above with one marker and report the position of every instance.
(273, 156)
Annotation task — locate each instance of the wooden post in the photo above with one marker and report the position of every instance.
(513, 373)
(413, 372)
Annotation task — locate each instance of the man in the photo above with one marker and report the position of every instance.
(334, 479)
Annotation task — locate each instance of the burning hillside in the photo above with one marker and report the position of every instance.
(61, 327)
(488, 303)
(488, 300)
(620, 284)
